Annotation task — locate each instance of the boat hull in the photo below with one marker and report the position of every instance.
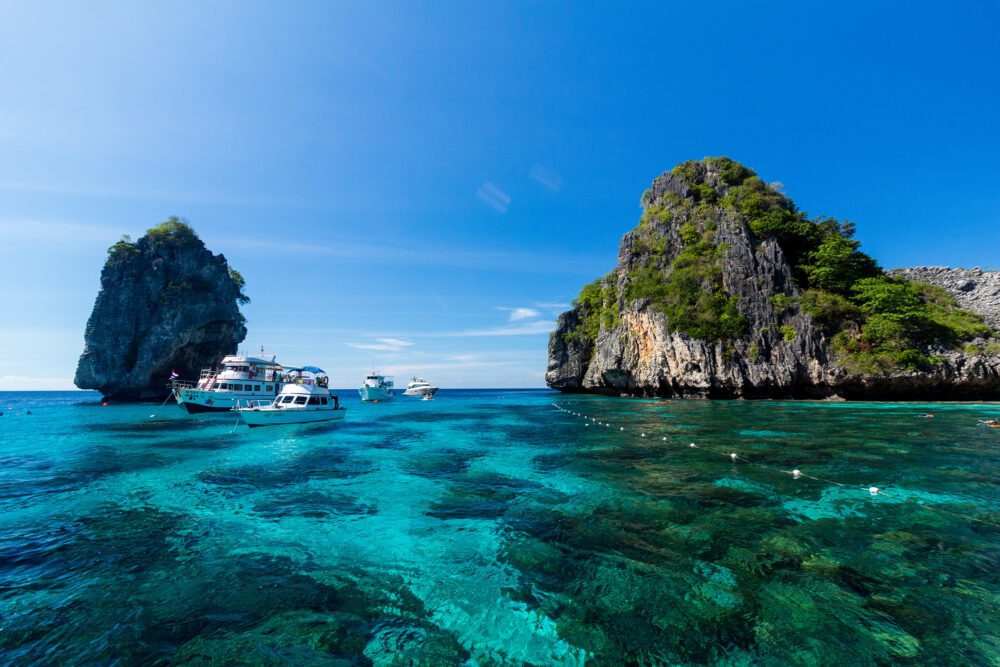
(254, 418)
(374, 394)
(196, 408)
(421, 391)
(201, 400)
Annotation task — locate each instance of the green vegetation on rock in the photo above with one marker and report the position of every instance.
(598, 303)
(240, 283)
(173, 229)
(689, 289)
(875, 322)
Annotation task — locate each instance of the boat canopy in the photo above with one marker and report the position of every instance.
(313, 369)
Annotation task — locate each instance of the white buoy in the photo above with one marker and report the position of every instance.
(873, 490)
(644, 435)
(796, 473)
(621, 428)
(733, 455)
(664, 438)
(692, 444)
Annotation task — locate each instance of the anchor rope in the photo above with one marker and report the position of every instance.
(796, 474)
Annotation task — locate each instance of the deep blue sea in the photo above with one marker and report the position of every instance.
(490, 527)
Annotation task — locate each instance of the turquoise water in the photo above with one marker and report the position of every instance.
(489, 527)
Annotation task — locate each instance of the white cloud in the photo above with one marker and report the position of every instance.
(518, 314)
(494, 197)
(383, 345)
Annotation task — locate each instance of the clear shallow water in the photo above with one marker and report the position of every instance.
(487, 527)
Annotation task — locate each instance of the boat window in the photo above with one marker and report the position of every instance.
(256, 387)
(236, 387)
(324, 400)
(288, 399)
(267, 388)
(313, 400)
(223, 385)
(300, 400)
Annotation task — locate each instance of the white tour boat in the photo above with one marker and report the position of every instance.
(304, 399)
(376, 387)
(420, 387)
(238, 379)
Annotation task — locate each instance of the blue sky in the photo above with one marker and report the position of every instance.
(426, 185)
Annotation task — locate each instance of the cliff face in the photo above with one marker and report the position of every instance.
(758, 342)
(166, 304)
(975, 289)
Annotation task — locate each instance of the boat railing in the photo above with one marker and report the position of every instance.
(253, 403)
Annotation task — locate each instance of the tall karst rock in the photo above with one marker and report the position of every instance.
(725, 289)
(166, 304)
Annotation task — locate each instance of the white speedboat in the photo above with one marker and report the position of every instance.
(420, 387)
(304, 399)
(239, 379)
(376, 387)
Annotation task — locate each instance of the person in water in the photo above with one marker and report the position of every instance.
(989, 422)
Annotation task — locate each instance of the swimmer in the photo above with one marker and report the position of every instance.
(988, 422)
(927, 416)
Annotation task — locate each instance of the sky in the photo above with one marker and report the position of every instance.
(424, 186)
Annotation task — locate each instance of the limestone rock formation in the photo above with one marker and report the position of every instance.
(166, 304)
(975, 289)
(706, 302)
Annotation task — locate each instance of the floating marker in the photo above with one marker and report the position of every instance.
(644, 435)
(664, 438)
(621, 428)
(692, 444)
(733, 455)
(796, 474)
(873, 490)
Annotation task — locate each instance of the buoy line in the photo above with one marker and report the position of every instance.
(796, 474)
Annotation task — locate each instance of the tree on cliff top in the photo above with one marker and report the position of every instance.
(177, 232)
(173, 229)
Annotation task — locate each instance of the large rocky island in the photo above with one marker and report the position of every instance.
(166, 304)
(725, 289)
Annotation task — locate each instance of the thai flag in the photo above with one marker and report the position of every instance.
(173, 375)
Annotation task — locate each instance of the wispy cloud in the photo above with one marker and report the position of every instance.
(494, 197)
(25, 383)
(417, 253)
(546, 177)
(57, 231)
(103, 191)
(383, 345)
(518, 314)
(525, 329)
(557, 305)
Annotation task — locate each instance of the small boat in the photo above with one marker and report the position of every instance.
(420, 387)
(428, 397)
(239, 379)
(376, 387)
(305, 399)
